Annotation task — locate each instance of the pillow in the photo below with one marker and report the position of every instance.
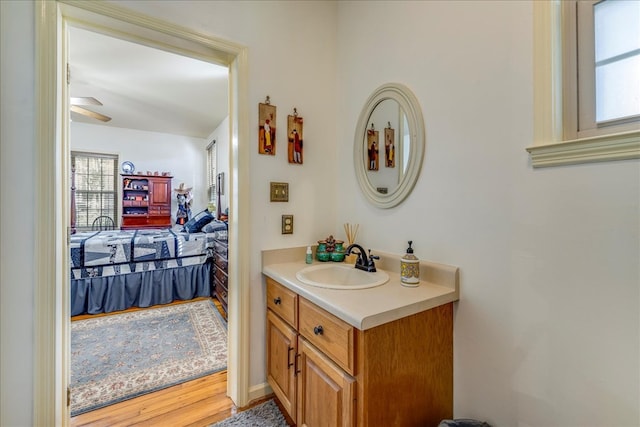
(216, 229)
(213, 226)
(195, 224)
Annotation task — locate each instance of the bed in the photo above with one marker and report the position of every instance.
(113, 270)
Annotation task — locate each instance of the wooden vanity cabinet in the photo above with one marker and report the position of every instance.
(398, 374)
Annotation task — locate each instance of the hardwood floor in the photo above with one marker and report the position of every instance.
(199, 402)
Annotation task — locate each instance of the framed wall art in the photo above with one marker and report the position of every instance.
(267, 128)
(389, 147)
(221, 183)
(373, 156)
(294, 131)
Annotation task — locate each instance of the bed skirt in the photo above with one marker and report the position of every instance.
(95, 295)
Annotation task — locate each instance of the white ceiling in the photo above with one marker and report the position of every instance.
(145, 88)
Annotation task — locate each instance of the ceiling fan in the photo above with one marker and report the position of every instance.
(76, 103)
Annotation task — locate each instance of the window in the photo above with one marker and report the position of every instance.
(95, 187)
(587, 81)
(608, 65)
(211, 174)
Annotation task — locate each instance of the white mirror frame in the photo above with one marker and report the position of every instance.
(409, 104)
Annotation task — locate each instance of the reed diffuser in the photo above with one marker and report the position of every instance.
(351, 230)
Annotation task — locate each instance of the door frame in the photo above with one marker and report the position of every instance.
(52, 286)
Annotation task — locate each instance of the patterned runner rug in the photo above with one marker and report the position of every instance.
(264, 415)
(118, 357)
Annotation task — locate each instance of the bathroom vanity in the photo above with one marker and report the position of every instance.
(364, 357)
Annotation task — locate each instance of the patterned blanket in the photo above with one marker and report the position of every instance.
(107, 248)
(116, 252)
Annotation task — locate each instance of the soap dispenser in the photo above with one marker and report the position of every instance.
(410, 268)
(309, 258)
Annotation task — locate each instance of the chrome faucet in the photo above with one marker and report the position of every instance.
(363, 263)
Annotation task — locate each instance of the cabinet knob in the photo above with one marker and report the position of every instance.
(318, 330)
(277, 301)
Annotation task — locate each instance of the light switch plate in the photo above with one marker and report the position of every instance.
(287, 224)
(279, 191)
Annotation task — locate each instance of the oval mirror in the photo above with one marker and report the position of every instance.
(389, 145)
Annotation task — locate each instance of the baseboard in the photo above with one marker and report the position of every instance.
(259, 391)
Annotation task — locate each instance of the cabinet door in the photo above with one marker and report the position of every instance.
(326, 394)
(160, 192)
(281, 353)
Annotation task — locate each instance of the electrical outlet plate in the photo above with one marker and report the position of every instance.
(287, 224)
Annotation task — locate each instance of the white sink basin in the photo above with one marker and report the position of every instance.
(340, 276)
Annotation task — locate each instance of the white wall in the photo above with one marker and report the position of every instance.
(17, 183)
(291, 59)
(547, 330)
(184, 157)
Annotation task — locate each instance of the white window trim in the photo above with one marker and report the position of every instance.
(549, 148)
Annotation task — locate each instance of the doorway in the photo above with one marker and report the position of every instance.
(53, 323)
(157, 110)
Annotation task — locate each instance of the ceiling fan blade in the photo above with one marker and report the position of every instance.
(84, 100)
(90, 113)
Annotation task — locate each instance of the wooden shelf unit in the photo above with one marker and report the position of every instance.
(146, 201)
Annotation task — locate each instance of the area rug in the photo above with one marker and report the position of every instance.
(118, 357)
(264, 415)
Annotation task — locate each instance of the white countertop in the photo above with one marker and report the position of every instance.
(367, 308)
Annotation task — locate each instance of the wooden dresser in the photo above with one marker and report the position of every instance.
(221, 272)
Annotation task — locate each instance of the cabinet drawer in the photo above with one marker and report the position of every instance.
(159, 211)
(221, 261)
(221, 276)
(283, 302)
(222, 296)
(328, 333)
(221, 248)
(135, 203)
(219, 285)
